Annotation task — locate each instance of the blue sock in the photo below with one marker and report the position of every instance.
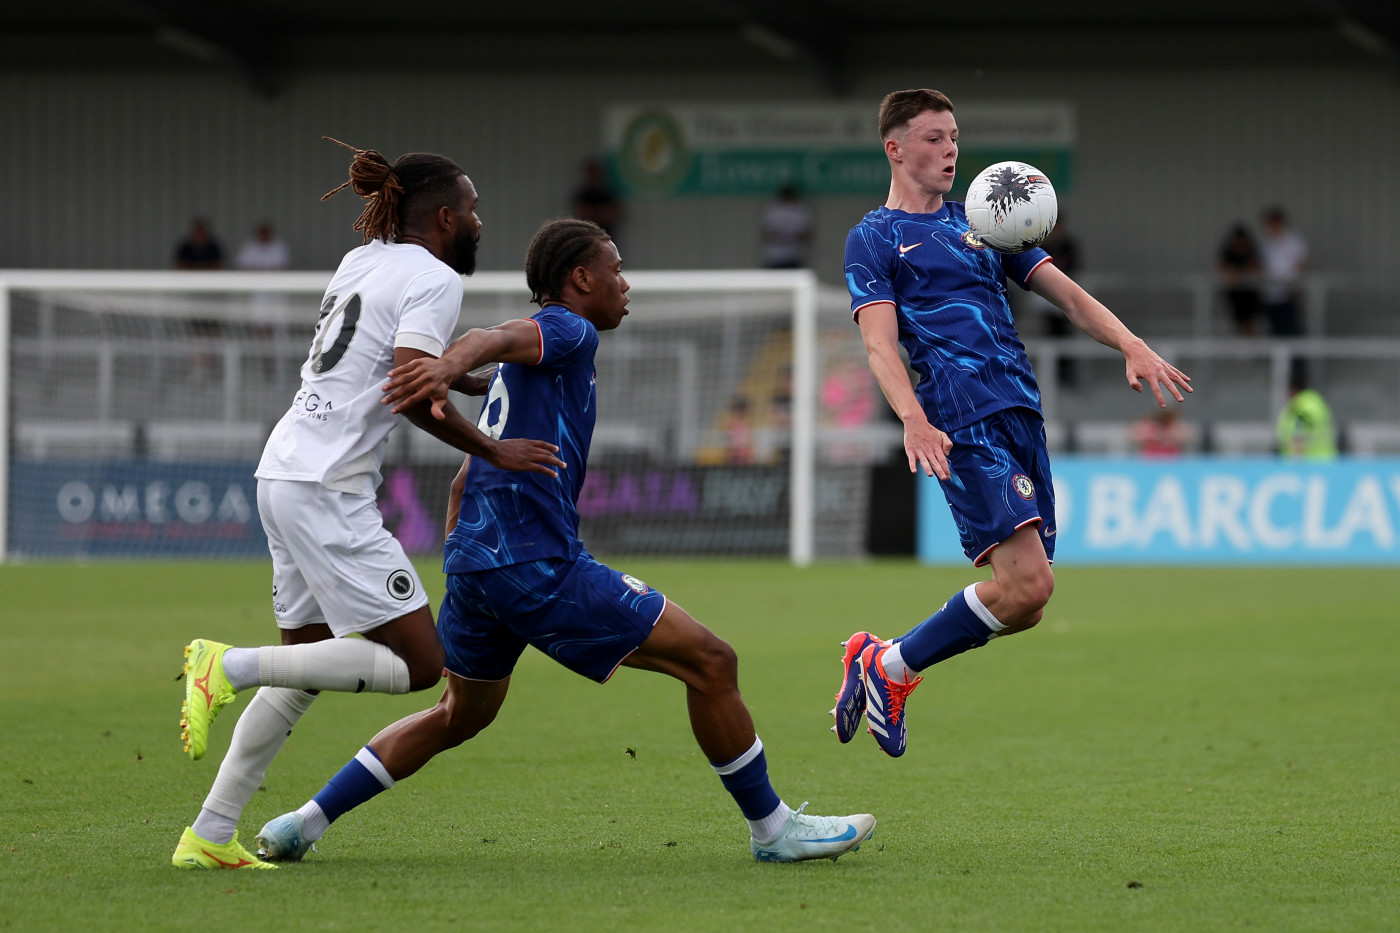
(364, 777)
(962, 624)
(746, 779)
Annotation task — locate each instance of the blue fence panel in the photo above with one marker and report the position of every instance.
(1206, 511)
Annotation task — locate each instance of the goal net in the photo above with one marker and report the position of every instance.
(735, 415)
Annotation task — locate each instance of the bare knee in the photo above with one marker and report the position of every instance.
(425, 667)
(717, 666)
(414, 638)
(1028, 623)
(461, 722)
(459, 727)
(1026, 598)
(1041, 589)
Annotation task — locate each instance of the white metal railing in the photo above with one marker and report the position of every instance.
(1279, 353)
(1201, 294)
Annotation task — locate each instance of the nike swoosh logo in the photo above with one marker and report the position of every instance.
(850, 833)
(1051, 532)
(904, 249)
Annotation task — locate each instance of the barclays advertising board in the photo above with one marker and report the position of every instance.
(1206, 511)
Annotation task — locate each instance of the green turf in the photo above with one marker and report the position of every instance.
(1184, 749)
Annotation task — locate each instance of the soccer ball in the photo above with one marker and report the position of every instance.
(1011, 207)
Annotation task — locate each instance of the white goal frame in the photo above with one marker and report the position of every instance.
(801, 284)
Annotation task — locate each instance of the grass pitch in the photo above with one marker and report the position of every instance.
(1183, 749)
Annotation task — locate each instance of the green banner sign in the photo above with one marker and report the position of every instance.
(752, 150)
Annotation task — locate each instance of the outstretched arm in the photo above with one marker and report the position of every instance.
(1088, 314)
(449, 426)
(925, 445)
(428, 378)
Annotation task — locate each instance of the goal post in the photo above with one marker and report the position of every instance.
(801, 285)
(136, 405)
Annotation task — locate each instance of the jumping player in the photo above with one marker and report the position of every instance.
(519, 575)
(918, 278)
(335, 569)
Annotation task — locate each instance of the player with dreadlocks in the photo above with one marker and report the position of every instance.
(336, 570)
(519, 575)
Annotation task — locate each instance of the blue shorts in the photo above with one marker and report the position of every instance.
(581, 613)
(1000, 481)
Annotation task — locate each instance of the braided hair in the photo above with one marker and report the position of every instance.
(560, 247)
(396, 194)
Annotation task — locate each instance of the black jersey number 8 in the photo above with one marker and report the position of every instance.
(323, 361)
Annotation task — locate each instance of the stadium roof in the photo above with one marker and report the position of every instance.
(271, 42)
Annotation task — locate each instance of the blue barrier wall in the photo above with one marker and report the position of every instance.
(1206, 511)
(135, 508)
(106, 508)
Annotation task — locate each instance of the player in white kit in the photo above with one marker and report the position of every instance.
(336, 570)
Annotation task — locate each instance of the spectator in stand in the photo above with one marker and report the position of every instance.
(199, 249)
(264, 251)
(787, 230)
(781, 400)
(1305, 429)
(738, 433)
(1239, 268)
(1064, 253)
(1161, 435)
(1284, 253)
(848, 397)
(596, 201)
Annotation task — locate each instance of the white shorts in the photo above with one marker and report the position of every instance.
(333, 560)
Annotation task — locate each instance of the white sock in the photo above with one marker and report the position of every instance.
(257, 738)
(215, 827)
(241, 667)
(982, 612)
(767, 829)
(314, 822)
(892, 663)
(346, 665)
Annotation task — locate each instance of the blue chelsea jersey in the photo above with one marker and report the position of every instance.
(949, 292)
(511, 517)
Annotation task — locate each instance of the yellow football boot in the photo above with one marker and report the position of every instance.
(207, 691)
(194, 852)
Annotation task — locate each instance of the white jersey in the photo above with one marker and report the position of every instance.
(384, 295)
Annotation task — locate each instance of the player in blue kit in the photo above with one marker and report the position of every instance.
(918, 278)
(519, 575)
